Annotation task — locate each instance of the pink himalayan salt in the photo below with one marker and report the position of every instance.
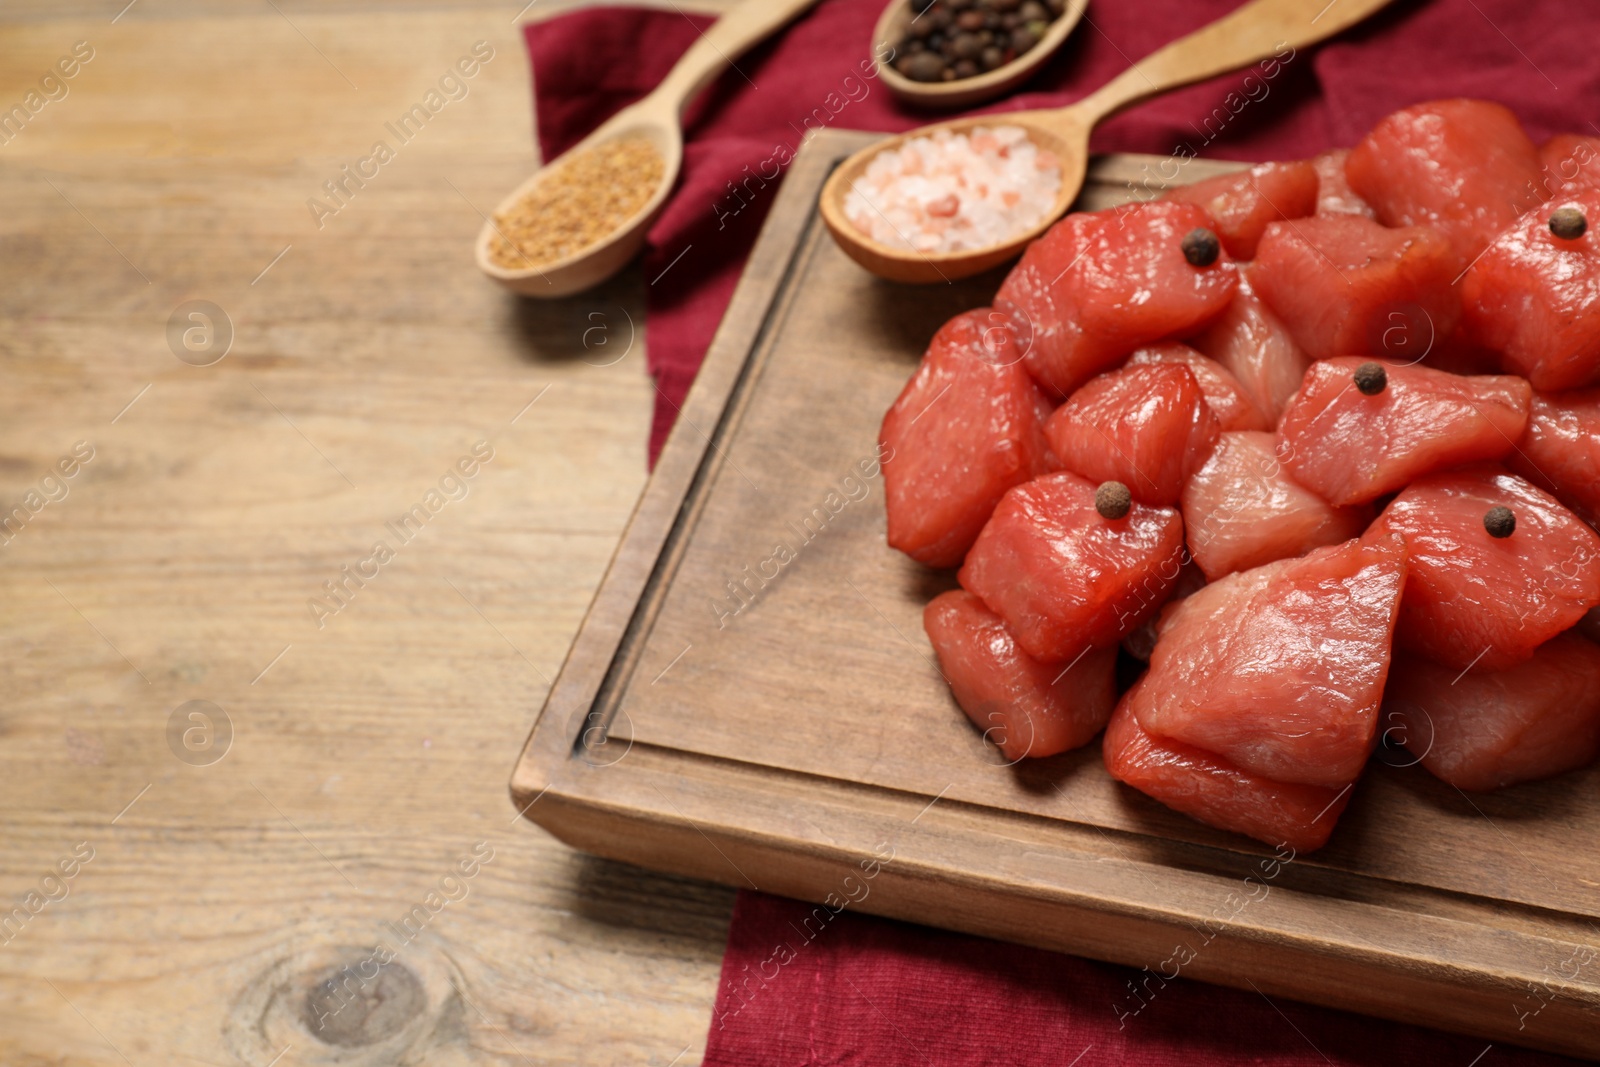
(950, 192)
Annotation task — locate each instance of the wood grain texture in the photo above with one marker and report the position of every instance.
(770, 723)
(369, 759)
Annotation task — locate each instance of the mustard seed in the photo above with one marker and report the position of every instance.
(588, 195)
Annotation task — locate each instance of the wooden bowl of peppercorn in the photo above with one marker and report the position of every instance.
(950, 54)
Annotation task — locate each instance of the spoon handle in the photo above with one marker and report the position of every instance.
(733, 34)
(1257, 31)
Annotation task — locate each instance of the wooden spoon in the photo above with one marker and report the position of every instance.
(1260, 30)
(658, 118)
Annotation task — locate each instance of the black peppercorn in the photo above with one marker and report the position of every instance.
(923, 67)
(1371, 378)
(968, 37)
(1201, 247)
(1113, 500)
(1568, 223)
(1500, 521)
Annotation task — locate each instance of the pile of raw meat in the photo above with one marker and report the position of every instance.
(1316, 442)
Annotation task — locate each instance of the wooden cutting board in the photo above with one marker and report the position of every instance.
(752, 700)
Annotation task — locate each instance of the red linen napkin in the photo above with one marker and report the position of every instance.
(877, 993)
(873, 991)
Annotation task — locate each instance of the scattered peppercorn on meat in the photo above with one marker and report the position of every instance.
(1318, 443)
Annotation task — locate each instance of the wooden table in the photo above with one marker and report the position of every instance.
(371, 737)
